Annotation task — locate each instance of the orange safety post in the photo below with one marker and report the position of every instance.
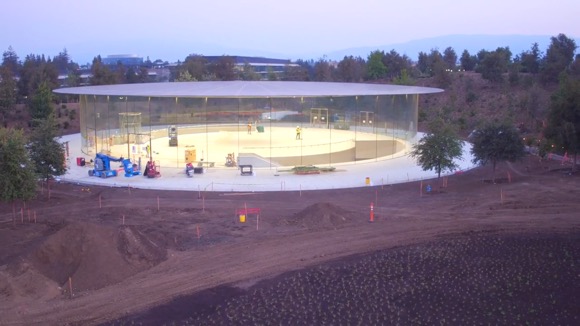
(372, 217)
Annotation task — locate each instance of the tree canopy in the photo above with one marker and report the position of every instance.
(563, 128)
(559, 56)
(17, 178)
(375, 67)
(46, 151)
(496, 142)
(438, 149)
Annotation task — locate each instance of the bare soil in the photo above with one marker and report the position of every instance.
(174, 244)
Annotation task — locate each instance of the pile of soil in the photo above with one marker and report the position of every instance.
(92, 255)
(322, 216)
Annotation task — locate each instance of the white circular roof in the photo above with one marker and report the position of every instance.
(247, 89)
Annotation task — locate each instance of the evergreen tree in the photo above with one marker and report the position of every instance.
(7, 92)
(40, 106)
(375, 67)
(17, 179)
(467, 61)
(46, 151)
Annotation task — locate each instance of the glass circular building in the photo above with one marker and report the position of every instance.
(265, 124)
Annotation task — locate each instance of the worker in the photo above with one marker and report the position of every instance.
(298, 131)
(249, 128)
(148, 149)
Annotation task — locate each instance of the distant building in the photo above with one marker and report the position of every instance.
(261, 66)
(127, 60)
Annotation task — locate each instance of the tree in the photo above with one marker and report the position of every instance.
(223, 68)
(196, 65)
(530, 60)
(467, 61)
(17, 179)
(249, 73)
(323, 70)
(559, 56)
(450, 58)
(101, 74)
(351, 69)
(272, 75)
(296, 73)
(35, 71)
(46, 151)
(438, 149)
(492, 67)
(563, 128)
(496, 142)
(40, 106)
(396, 63)
(10, 60)
(8, 93)
(375, 67)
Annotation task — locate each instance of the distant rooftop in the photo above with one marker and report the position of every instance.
(114, 56)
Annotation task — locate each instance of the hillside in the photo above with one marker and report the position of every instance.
(470, 100)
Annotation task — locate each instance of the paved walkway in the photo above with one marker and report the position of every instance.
(349, 175)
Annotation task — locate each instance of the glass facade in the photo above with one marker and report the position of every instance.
(266, 132)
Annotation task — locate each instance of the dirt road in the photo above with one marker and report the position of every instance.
(189, 243)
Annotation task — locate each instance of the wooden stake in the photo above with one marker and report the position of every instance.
(123, 219)
(203, 203)
(70, 286)
(198, 234)
(128, 186)
(257, 222)
(421, 189)
(158, 203)
(501, 195)
(100, 202)
(21, 215)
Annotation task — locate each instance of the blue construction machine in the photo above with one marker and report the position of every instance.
(103, 169)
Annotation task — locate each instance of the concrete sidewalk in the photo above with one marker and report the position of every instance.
(347, 175)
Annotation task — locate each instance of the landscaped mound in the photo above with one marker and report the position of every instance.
(322, 216)
(94, 256)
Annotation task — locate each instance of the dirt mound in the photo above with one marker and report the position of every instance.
(93, 255)
(322, 216)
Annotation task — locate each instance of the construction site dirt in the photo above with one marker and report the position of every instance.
(97, 255)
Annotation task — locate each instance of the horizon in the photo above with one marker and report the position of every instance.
(261, 28)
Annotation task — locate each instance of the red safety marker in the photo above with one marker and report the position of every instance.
(372, 217)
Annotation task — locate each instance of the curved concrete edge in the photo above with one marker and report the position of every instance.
(380, 172)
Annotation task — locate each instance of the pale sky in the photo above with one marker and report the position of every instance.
(172, 29)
